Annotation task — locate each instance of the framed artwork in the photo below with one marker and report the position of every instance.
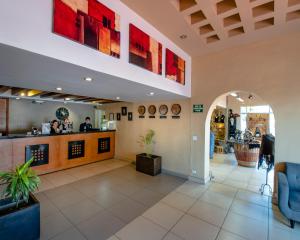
(141, 111)
(176, 109)
(88, 22)
(124, 111)
(130, 116)
(118, 116)
(144, 51)
(175, 67)
(111, 117)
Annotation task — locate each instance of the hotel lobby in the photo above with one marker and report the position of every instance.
(149, 120)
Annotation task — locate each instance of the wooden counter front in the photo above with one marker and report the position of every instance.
(13, 151)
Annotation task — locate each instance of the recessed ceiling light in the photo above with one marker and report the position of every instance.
(183, 36)
(151, 93)
(59, 89)
(18, 98)
(88, 79)
(240, 99)
(118, 98)
(233, 94)
(22, 94)
(67, 99)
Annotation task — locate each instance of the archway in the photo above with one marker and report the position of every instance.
(249, 113)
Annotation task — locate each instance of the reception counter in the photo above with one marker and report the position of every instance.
(56, 152)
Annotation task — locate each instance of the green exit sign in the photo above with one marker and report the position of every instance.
(198, 108)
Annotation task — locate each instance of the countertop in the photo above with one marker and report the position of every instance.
(13, 136)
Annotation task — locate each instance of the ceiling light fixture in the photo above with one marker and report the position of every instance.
(118, 98)
(88, 79)
(59, 89)
(183, 36)
(67, 99)
(22, 94)
(234, 94)
(240, 99)
(17, 98)
(151, 93)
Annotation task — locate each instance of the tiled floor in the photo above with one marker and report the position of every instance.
(98, 206)
(225, 170)
(126, 205)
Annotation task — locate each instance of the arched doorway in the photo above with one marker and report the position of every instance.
(232, 119)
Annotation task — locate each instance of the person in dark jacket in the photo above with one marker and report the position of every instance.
(86, 126)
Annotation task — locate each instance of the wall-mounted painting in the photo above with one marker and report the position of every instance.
(88, 22)
(144, 51)
(175, 67)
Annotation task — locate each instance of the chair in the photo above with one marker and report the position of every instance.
(289, 192)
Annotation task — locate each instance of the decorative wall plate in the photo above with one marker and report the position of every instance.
(176, 109)
(152, 109)
(141, 110)
(163, 109)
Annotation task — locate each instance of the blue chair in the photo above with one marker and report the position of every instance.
(289, 192)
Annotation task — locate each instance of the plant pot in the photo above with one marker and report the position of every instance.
(148, 164)
(22, 223)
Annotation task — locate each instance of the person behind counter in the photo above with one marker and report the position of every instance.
(55, 127)
(86, 126)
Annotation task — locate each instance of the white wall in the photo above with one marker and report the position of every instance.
(171, 135)
(23, 114)
(269, 69)
(28, 25)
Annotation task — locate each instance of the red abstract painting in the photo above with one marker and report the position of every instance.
(144, 51)
(175, 67)
(88, 22)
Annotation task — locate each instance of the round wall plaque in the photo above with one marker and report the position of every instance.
(141, 110)
(62, 113)
(152, 109)
(176, 109)
(163, 109)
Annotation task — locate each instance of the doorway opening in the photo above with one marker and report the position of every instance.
(242, 140)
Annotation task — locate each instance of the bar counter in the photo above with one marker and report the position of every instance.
(56, 152)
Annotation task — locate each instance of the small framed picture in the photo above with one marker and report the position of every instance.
(124, 111)
(130, 116)
(111, 117)
(118, 116)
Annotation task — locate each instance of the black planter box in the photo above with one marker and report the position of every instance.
(150, 165)
(22, 223)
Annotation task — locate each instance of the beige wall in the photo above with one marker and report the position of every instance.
(269, 69)
(23, 114)
(172, 135)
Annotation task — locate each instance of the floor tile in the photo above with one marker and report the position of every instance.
(192, 189)
(246, 227)
(217, 199)
(179, 201)
(127, 210)
(58, 191)
(81, 211)
(127, 188)
(109, 198)
(253, 197)
(54, 224)
(141, 228)
(101, 226)
(251, 210)
(172, 236)
(68, 199)
(113, 238)
(209, 213)
(224, 235)
(147, 197)
(71, 234)
(163, 215)
(191, 228)
(224, 189)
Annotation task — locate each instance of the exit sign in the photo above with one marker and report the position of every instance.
(198, 108)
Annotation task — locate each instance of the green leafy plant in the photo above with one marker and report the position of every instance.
(20, 182)
(147, 142)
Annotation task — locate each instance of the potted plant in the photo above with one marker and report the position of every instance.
(147, 162)
(19, 209)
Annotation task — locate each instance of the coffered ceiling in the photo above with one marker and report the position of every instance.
(204, 26)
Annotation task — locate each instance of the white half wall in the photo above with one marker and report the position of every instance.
(28, 25)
